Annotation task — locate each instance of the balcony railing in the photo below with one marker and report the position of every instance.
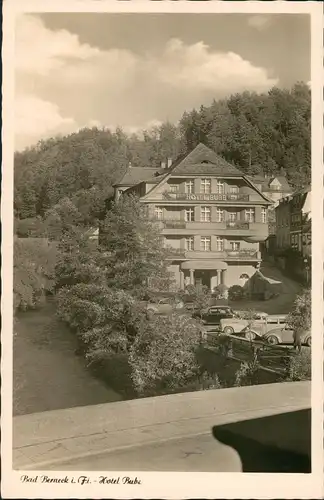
(237, 224)
(181, 224)
(242, 254)
(174, 224)
(206, 197)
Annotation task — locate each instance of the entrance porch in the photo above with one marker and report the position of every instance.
(207, 273)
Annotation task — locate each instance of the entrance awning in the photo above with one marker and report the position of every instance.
(204, 265)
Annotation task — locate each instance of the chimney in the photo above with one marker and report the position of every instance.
(163, 164)
(169, 162)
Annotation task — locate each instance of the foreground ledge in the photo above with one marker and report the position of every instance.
(46, 438)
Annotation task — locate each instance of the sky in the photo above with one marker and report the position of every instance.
(134, 71)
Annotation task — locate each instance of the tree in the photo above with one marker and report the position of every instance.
(162, 356)
(133, 254)
(78, 260)
(34, 264)
(300, 318)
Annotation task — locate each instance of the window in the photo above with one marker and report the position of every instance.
(159, 213)
(205, 214)
(189, 243)
(220, 187)
(235, 246)
(272, 321)
(189, 214)
(205, 243)
(234, 189)
(174, 188)
(189, 187)
(232, 216)
(219, 215)
(219, 244)
(205, 186)
(264, 215)
(249, 215)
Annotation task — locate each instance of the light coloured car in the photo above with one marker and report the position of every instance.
(286, 336)
(165, 306)
(261, 323)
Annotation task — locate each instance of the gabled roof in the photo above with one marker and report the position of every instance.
(266, 181)
(135, 175)
(203, 160)
(283, 181)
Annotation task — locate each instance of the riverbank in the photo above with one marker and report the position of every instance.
(47, 373)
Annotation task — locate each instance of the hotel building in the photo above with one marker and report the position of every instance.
(212, 217)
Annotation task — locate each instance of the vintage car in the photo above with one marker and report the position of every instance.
(286, 336)
(165, 305)
(261, 324)
(213, 315)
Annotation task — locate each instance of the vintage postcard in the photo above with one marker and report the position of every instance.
(162, 215)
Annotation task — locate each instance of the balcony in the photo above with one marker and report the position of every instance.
(227, 254)
(205, 197)
(237, 224)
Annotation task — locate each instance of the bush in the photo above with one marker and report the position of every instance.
(220, 291)
(162, 356)
(300, 367)
(236, 292)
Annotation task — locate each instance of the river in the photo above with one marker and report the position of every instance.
(48, 375)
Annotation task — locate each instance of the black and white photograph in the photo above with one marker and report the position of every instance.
(162, 250)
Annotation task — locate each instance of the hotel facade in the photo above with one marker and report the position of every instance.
(211, 216)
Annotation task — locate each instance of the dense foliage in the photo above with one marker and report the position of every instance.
(133, 252)
(162, 356)
(267, 133)
(100, 296)
(300, 317)
(34, 266)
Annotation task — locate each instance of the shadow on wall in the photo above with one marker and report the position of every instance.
(277, 444)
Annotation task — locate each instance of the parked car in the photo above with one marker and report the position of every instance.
(165, 306)
(261, 323)
(286, 336)
(213, 315)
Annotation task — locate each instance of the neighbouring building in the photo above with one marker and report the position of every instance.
(212, 217)
(135, 175)
(293, 220)
(292, 213)
(283, 219)
(274, 187)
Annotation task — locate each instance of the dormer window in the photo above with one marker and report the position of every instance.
(174, 188)
(205, 186)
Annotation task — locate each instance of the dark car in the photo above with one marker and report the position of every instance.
(214, 314)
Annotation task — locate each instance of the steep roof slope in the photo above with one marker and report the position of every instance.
(134, 175)
(203, 160)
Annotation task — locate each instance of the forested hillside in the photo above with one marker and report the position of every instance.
(68, 178)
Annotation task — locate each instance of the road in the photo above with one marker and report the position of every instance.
(195, 454)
